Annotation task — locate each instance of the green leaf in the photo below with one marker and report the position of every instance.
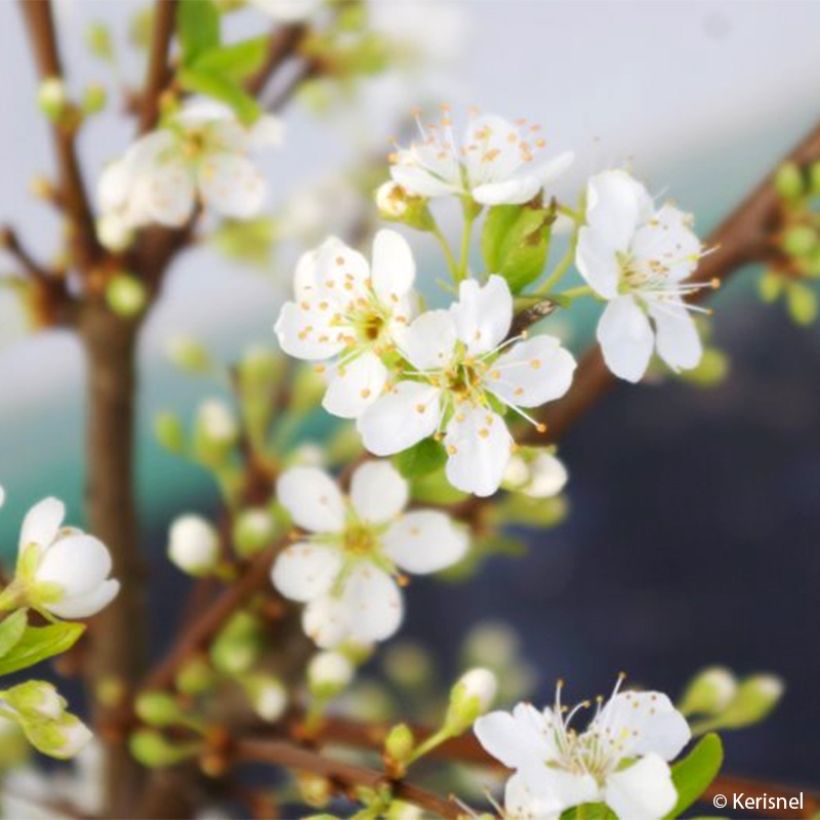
(223, 89)
(39, 643)
(198, 28)
(421, 458)
(518, 508)
(589, 811)
(235, 61)
(434, 488)
(11, 630)
(696, 771)
(515, 242)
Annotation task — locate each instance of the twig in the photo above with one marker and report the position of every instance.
(10, 242)
(158, 73)
(529, 316)
(284, 43)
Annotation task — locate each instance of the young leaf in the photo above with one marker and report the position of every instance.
(198, 28)
(39, 643)
(696, 771)
(589, 811)
(421, 458)
(235, 61)
(223, 89)
(11, 630)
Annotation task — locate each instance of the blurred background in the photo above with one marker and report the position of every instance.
(694, 527)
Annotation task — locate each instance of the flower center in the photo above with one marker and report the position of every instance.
(359, 540)
(193, 144)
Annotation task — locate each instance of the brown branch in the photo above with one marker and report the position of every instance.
(10, 242)
(346, 775)
(158, 73)
(530, 315)
(72, 193)
(284, 43)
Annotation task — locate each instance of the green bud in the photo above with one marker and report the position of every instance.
(400, 743)
(195, 677)
(709, 692)
(395, 204)
(189, 354)
(52, 98)
(801, 303)
(237, 647)
(710, 371)
(268, 696)
(470, 698)
(140, 27)
(814, 177)
(94, 99)
(770, 286)
(14, 750)
(799, 240)
(314, 789)
(260, 369)
(216, 432)
(253, 530)
(328, 673)
(35, 699)
(158, 709)
(788, 181)
(754, 700)
(154, 751)
(169, 432)
(98, 41)
(126, 295)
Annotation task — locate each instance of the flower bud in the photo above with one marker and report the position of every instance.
(193, 545)
(98, 41)
(52, 98)
(195, 677)
(216, 431)
(328, 673)
(314, 789)
(400, 743)
(94, 99)
(238, 645)
(35, 699)
(114, 232)
(799, 240)
(268, 696)
(126, 295)
(260, 368)
(397, 205)
(755, 698)
(802, 303)
(157, 709)
(188, 354)
(168, 431)
(788, 181)
(153, 750)
(471, 697)
(253, 530)
(814, 177)
(709, 692)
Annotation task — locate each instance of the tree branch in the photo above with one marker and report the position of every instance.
(10, 242)
(158, 73)
(284, 43)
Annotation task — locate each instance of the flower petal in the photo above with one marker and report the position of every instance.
(428, 342)
(325, 621)
(513, 191)
(341, 272)
(393, 267)
(87, 604)
(378, 492)
(165, 192)
(306, 571)
(626, 338)
(354, 386)
(532, 372)
(373, 603)
(304, 332)
(232, 185)
(616, 205)
(666, 245)
(517, 738)
(312, 498)
(483, 314)
(677, 337)
(425, 541)
(479, 447)
(643, 791)
(77, 563)
(42, 523)
(268, 131)
(492, 150)
(597, 262)
(403, 416)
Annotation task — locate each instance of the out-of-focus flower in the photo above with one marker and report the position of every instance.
(60, 569)
(541, 476)
(200, 154)
(638, 257)
(620, 759)
(288, 11)
(328, 673)
(462, 370)
(344, 570)
(193, 544)
(495, 163)
(351, 310)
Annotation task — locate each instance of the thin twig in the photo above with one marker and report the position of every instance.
(283, 44)
(158, 73)
(10, 242)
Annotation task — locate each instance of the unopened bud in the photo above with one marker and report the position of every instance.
(114, 232)
(253, 530)
(396, 204)
(98, 41)
(328, 673)
(314, 789)
(169, 432)
(195, 677)
(189, 354)
(755, 698)
(153, 750)
(157, 709)
(799, 240)
(400, 743)
(216, 431)
(193, 545)
(260, 368)
(788, 181)
(709, 692)
(126, 295)
(470, 698)
(52, 98)
(94, 99)
(268, 696)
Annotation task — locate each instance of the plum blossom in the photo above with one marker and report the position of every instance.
(61, 570)
(462, 372)
(619, 759)
(495, 163)
(347, 314)
(638, 257)
(288, 11)
(346, 565)
(200, 154)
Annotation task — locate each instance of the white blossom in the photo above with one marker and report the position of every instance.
(200, 154)
(345, 566)
(619, 759)
(347, 313)
(496, 162)
(637, 257)
(542, 476)
(481, 684)
(288, 11)
(463, 368)
(330, 670)
(64, 570)
(193, 544)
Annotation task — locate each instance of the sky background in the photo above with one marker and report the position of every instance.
(694, 531)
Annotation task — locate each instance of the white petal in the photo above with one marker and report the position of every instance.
(555, 167)
(42, 523)
(666, 245)
(527, 801)
(78, 563)
(232, 185)
(325, 621)
(532, 372)
(341, 272)
(403, 416)
(88, 604)
(267, 131)
(378, 492)
(646, 722)
(429, 340)
(548, 476)
(643, 791)
(514, 191)
(597, 262)
(305, 571)
(393, 267)
(165, 192)
(491, 150)
(373, 603)
(425, 541)
(616, 205)
(626, 338)
(312, 498)
(517, 738)
(483, 314)
(479, 447)
(354, 386)
(304, 332)
(420, 182)
(677, 337)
